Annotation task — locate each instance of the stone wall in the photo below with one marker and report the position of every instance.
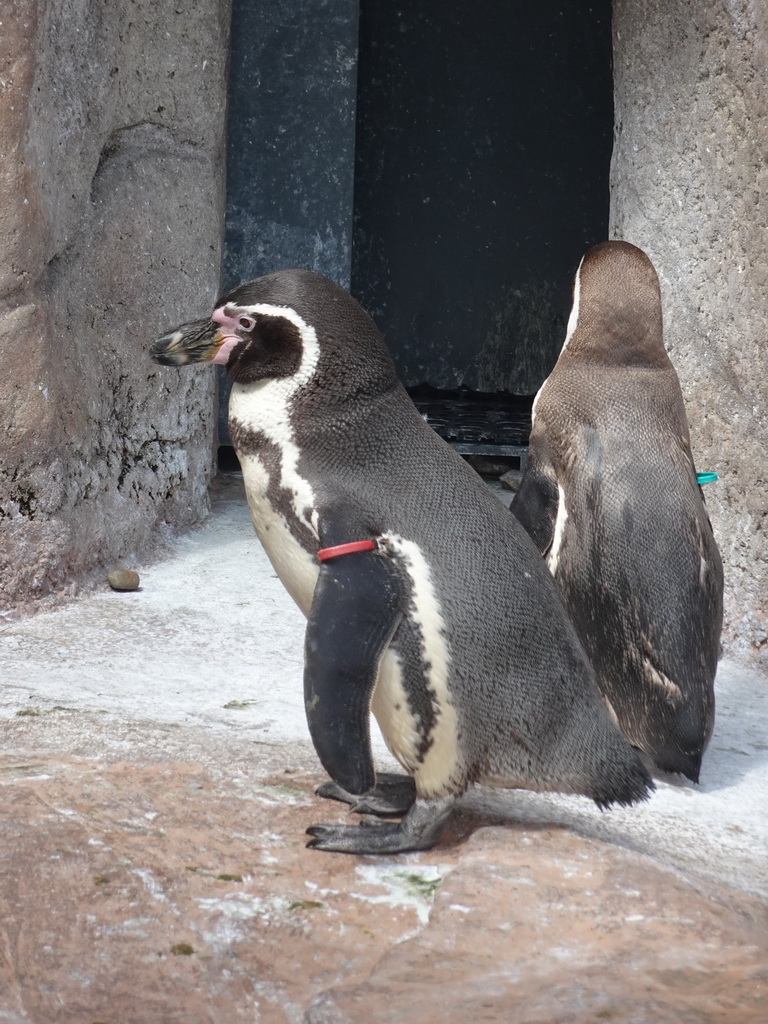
(690, 186)
(111, 211)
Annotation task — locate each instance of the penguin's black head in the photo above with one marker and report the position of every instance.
(293, 323)
(272, 343)
(616, 315)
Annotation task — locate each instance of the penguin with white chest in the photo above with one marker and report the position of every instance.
(426, 602)
(610, 495)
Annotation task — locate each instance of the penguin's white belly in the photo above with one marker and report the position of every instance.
(398, 725)
(439, 770)
(435, 771)
(297, 570)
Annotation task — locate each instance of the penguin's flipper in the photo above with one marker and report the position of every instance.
(392, 796)
(419, 830)
(357, 606)
(535, 504)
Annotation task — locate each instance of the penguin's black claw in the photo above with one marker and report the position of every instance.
(367, 837)
(392, 796)
(333, 791)
(419, 830)
(379, 806)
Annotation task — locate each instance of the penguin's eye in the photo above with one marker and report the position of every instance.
(246, 323)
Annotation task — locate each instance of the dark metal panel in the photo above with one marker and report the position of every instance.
(291, 141)
(290, 154)
(483, 152)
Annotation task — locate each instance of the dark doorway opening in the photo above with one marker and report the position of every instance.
(484, 136)
(448, 161)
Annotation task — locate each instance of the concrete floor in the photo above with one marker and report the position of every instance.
(198, 675)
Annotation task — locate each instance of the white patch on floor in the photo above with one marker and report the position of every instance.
(405, 884)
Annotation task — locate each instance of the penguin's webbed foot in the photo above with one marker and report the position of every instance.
(392, 796)
(419, 830)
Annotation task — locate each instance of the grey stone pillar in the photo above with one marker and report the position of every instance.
(111, 216)
(690, 186)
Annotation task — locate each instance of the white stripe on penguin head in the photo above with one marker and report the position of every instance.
(265, 406)
(553, 558)
(573, 319)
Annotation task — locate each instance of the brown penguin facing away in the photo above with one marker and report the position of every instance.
(611, 498)
(426, 601)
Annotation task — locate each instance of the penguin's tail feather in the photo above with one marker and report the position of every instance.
(626, 788)
(622, 778)
(614, 770)
(676, 738)
(677, 762)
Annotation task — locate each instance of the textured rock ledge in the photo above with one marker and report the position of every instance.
(170, 884)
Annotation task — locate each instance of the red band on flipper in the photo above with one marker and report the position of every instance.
(346, 549)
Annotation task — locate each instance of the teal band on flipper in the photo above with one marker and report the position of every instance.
(706, 478)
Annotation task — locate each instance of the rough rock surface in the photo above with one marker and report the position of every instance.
(152, 891)
(689, 185)
(111, 213)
